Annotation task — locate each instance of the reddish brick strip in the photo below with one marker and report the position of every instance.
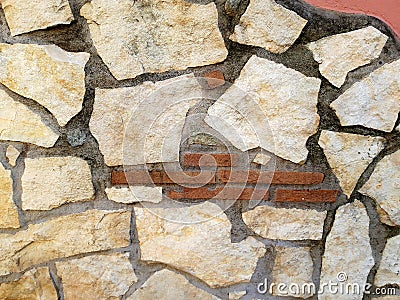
(215, 79)
(220, 194)
(316, 196)
(222, 160)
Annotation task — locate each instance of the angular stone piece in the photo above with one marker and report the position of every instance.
(35, 284)
(196, 239)
(50, 182)
(47, 74)
(135, 194)
(285, 224)
(389, 268)
(261, 159)
(349, 155)
(12, 155)
(374, 101)
(154, 36)
(341, 53)
(8, 210)
(262, 110)
(93, 230)
(38, 14)
(236, 295)
(96, 277)
(348, 254)
(384, 187)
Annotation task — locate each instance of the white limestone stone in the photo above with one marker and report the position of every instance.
(8, 210)
(135, 194)
(389, 268)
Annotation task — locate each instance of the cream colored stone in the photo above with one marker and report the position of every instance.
(341, 53)
(196, 239)
(261, 159)
(374, 101)
(96, 277)
(348, 254)
(93, 230)
(135, 194)
(269, 25)
(389, 268)
(269, 106)
(154, 36)
(384, 186)
(35, 284)
(8, 210)
(47, 74)
(12, 155)
(20, 124)
(39, 14)
(285, 224)
(236, 295)
(49, 182)
(349, 155)
(202, 139)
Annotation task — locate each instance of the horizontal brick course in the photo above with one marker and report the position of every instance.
(315, 196)
(222, 160)
(220, 193)
(214, 79)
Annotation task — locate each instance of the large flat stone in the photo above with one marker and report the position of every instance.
(389, 268)
(8, 210)
(135, 194)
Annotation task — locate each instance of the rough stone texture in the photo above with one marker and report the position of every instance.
(154, 36)
(35, 284)
(341, 53)
(197, 240)
(269, 25)
(93, 230)
(40, 14)
(372, 102)
(47, 74)
(389, 268)
(349, 155)
(261, 159)
(348, 249)
(285, 224)
(236, 295)
(50, 182)
(12, 155)
(135, 194)
(96, 277)
(18, 123)
(384, 187)
(262, 109)
(8, 210)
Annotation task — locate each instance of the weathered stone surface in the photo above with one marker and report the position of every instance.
(196, 239)
(49, 182)
(341, 53)
(236, 295)
(141, 124)
(35, 284)
(384, 186)
(12, 155)
(269, 25)
(348, 250)
(96, 277)
(47, 74)
(93, 230)
(372, 102)
(202, 139)
(154, 36)
(8, 210)
(285, 224)
(20, 124)
(389, 268)
(261, 159)
(262, 109)
(40, 14)
(135, 194)
(349, 155)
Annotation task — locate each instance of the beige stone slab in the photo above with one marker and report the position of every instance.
(261, 159)
(8, 210)
(389, 268)
(135, 194)
(12, 155)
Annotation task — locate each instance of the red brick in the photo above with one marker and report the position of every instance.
(215, 79)
(222, 160)
(316, 196)
(220, 193)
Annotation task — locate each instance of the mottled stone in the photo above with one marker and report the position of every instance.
(347, 250)
(261, 159)
(341, 53)
(202, 139)
(263, 110)
(374, 101)
(236, 295)
(196, 239)
(12, 155)
(135, 194)
(349, 155)
(285, 224)
(39, 14)
(49, 182)
(96, 277)
(8, 210)
(269, 25)
(154, 36)
(47, 74)
(389, 268)
(93, 230)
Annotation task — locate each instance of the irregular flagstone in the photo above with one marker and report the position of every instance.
(389, 268)
(348, 254)
(35, 284)
(154, 36)
(38, 14)
(236, 295)
(166, 285)
(285, 224)
(341, 53)
(93, 230)
(135, 194)
(261, 159)
(263, 110)
(49, 182)
(47, 74)
(12, 155)
(384, 187)
(374, 101)
(96, 277)
(196, 239)
(8, 210)
(18, 123)
(143, 124)
(269, 25)
(349, 155)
